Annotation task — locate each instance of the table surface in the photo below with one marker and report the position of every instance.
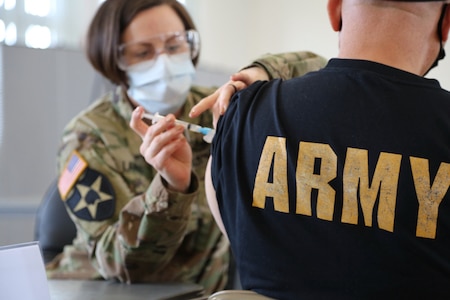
(102, 290)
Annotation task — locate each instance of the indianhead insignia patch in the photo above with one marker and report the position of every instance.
(92, 197)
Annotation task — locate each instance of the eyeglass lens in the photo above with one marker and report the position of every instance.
(135, 53)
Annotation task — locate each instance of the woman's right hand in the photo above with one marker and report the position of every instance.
(165, 147)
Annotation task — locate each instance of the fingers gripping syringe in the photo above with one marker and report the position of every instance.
(206, 131)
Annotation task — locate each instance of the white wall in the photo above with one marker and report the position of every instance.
(40, 92)
(235, 31)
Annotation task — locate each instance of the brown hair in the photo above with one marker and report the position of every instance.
(107, 26)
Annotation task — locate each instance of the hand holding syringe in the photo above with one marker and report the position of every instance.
(206, 131)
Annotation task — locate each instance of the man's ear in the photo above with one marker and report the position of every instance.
(334, 14)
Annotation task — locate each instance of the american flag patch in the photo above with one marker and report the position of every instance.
(73, 170)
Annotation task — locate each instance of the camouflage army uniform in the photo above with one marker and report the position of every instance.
(130, 227)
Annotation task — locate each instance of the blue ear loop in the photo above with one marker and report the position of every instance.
(441, 53)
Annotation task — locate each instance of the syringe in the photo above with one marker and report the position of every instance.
(206, 131)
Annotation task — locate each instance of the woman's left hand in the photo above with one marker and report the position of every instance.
(219, 100)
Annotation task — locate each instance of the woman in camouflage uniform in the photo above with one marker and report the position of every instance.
(137, 197)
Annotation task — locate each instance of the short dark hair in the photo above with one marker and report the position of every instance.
(107, 26)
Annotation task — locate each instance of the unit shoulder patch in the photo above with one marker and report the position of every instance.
(92, 197)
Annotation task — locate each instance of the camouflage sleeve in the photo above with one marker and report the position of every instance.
(150, 230)
(132, 224)
(289, 65)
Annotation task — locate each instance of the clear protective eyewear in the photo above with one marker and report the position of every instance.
(173, 43)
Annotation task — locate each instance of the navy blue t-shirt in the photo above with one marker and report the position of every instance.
(335, 185)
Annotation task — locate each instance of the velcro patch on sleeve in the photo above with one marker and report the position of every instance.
(75, 166)
(92, 198)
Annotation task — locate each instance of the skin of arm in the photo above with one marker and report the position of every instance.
(212, 200)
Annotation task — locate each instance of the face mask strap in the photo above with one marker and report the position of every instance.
(441, 53)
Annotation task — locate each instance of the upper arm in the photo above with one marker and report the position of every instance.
(211, 197)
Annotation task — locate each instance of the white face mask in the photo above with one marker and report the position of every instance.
(161, 86)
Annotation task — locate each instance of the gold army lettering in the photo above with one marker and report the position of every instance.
(356, 185)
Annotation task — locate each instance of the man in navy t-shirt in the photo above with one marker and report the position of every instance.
(335, 185)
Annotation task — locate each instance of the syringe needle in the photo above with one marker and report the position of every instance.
(206, 131)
